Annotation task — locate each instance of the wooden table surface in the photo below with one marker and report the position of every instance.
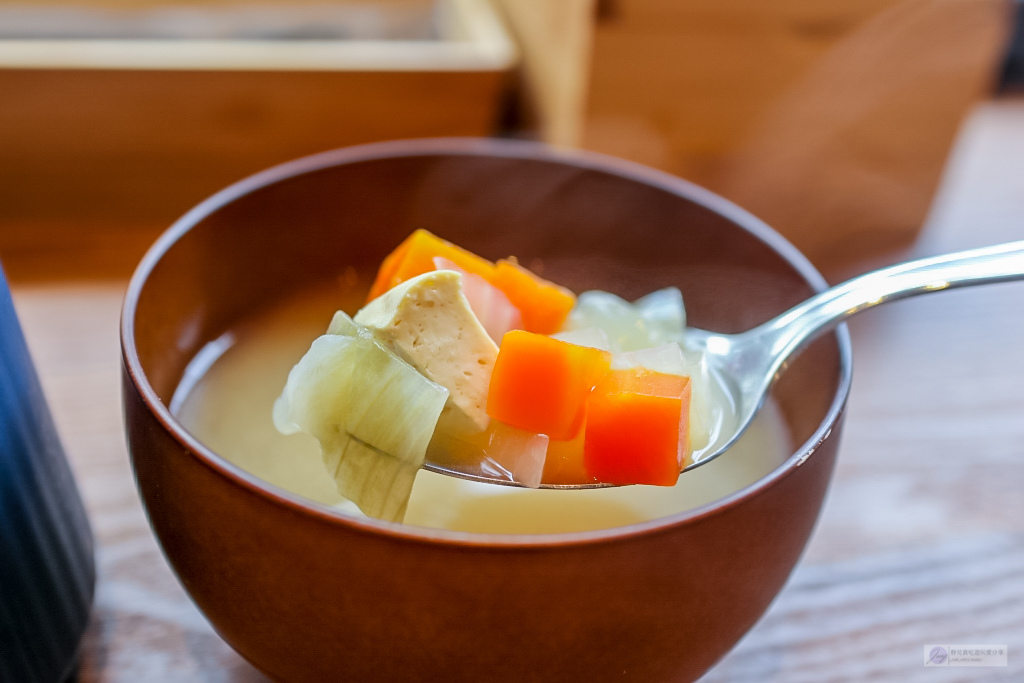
(921, 539)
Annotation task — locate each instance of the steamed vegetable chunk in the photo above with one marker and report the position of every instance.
(594, 337)
(372, 413)
(564, 463)
(540, 384)
(428, 322)
(491, 306)
(594, 389)
(499, 452)
(542, 305)
(518, 454)
(637, 427)
(673, 360)
(648, 333)
(416, 255)
(649, 321)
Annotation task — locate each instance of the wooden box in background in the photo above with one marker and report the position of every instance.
(110, 140)
(830, 120)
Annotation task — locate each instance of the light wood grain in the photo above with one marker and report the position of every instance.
(921, 540)
(556, 42)
(830, 120)
(137, 132)
(847, 159)
(68, 250)
(135, 4)
(136, 146)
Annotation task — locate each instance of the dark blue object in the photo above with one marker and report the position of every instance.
(47, 571)
(1011, 80)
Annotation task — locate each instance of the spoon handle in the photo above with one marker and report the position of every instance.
(786, 333)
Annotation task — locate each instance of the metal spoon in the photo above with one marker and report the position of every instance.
(748, 363)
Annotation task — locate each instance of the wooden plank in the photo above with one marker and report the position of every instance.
(135, 4)
(139, 132)
(73, 250)
(555, 38)
(117, 150)
(870, 618)
(847, 161)
(830, 120)
(454, 35)
(141, 144)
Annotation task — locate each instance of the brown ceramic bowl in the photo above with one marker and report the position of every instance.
(306, 593)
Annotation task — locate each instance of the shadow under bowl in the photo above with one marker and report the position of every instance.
(306, 593)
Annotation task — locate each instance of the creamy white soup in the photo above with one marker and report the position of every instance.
(226, 401)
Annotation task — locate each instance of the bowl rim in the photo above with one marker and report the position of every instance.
(504, 148)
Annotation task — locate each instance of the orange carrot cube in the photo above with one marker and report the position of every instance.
(541, 384)
(637, 424)
(385, 279)
(564, 463)
(415, 256)
(544, 305)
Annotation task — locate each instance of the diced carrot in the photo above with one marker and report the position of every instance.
(491, 305)
(544, 305)
(388, 268)
(541, 384)
(637, 424)
(415, 256)
(564, 463)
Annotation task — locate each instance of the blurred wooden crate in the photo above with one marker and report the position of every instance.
(134, 132)
(830, 120)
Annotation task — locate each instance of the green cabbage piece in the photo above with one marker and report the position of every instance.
(372, 413)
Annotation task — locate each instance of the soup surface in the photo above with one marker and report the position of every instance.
(227, 395)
